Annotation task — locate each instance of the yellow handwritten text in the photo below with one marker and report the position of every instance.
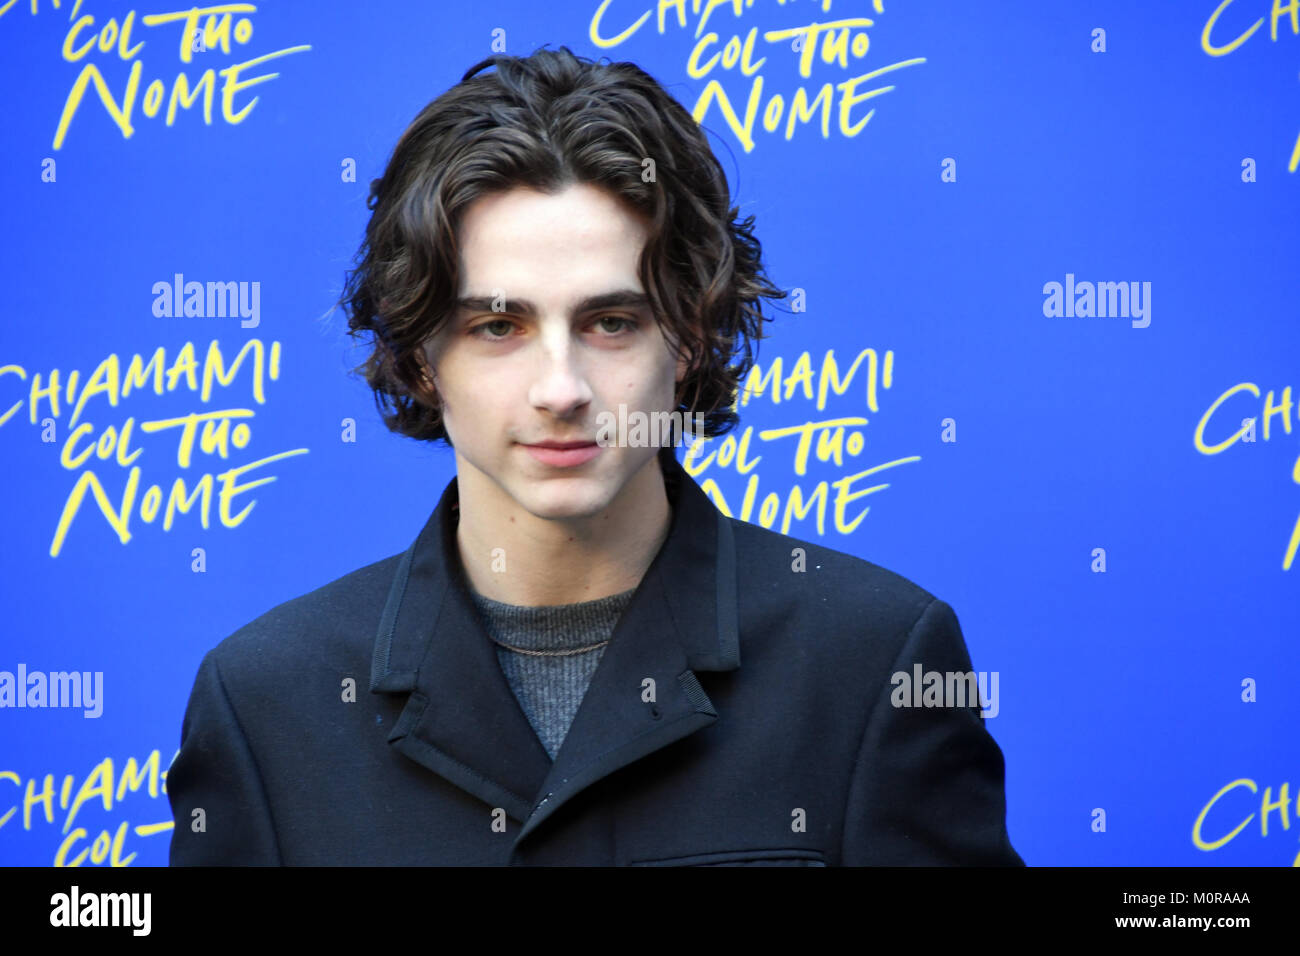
(1283, 411)
(216, 34)
(879, 375)
(215, 432)
(96, 787)
(107, 380)
(1290, 9)
(832, 41)
(1267, 805)
(833, 440)
(794, 504)
(177, 499)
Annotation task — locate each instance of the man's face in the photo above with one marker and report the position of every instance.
(553, 359)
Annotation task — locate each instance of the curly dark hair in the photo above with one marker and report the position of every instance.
(547, 121)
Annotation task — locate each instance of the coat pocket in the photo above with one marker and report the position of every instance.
(766, 857)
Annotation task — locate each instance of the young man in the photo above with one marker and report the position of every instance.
(579, 660)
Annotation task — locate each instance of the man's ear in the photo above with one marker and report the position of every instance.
(424, 355)
(427, 374)
(683, 367)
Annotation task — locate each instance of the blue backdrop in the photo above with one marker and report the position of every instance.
(977, 207)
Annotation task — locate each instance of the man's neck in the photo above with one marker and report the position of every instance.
(551, 562)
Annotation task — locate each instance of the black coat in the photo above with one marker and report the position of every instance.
(771, 738)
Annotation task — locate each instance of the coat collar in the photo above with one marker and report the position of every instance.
(463, 722)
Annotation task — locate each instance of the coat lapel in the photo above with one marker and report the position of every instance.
(463, 722)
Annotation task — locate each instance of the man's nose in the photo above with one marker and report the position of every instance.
(560, 382)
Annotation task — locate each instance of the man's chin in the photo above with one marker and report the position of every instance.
(546, 491)
(581, 500)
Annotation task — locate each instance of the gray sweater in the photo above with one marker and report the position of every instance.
(553, 652)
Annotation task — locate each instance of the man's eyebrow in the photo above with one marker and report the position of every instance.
(621, 298)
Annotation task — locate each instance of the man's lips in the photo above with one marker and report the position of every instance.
(564, 454)
(560, 444)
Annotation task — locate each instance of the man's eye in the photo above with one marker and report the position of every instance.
(478, 329)
(628, 324)
(623, 325)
